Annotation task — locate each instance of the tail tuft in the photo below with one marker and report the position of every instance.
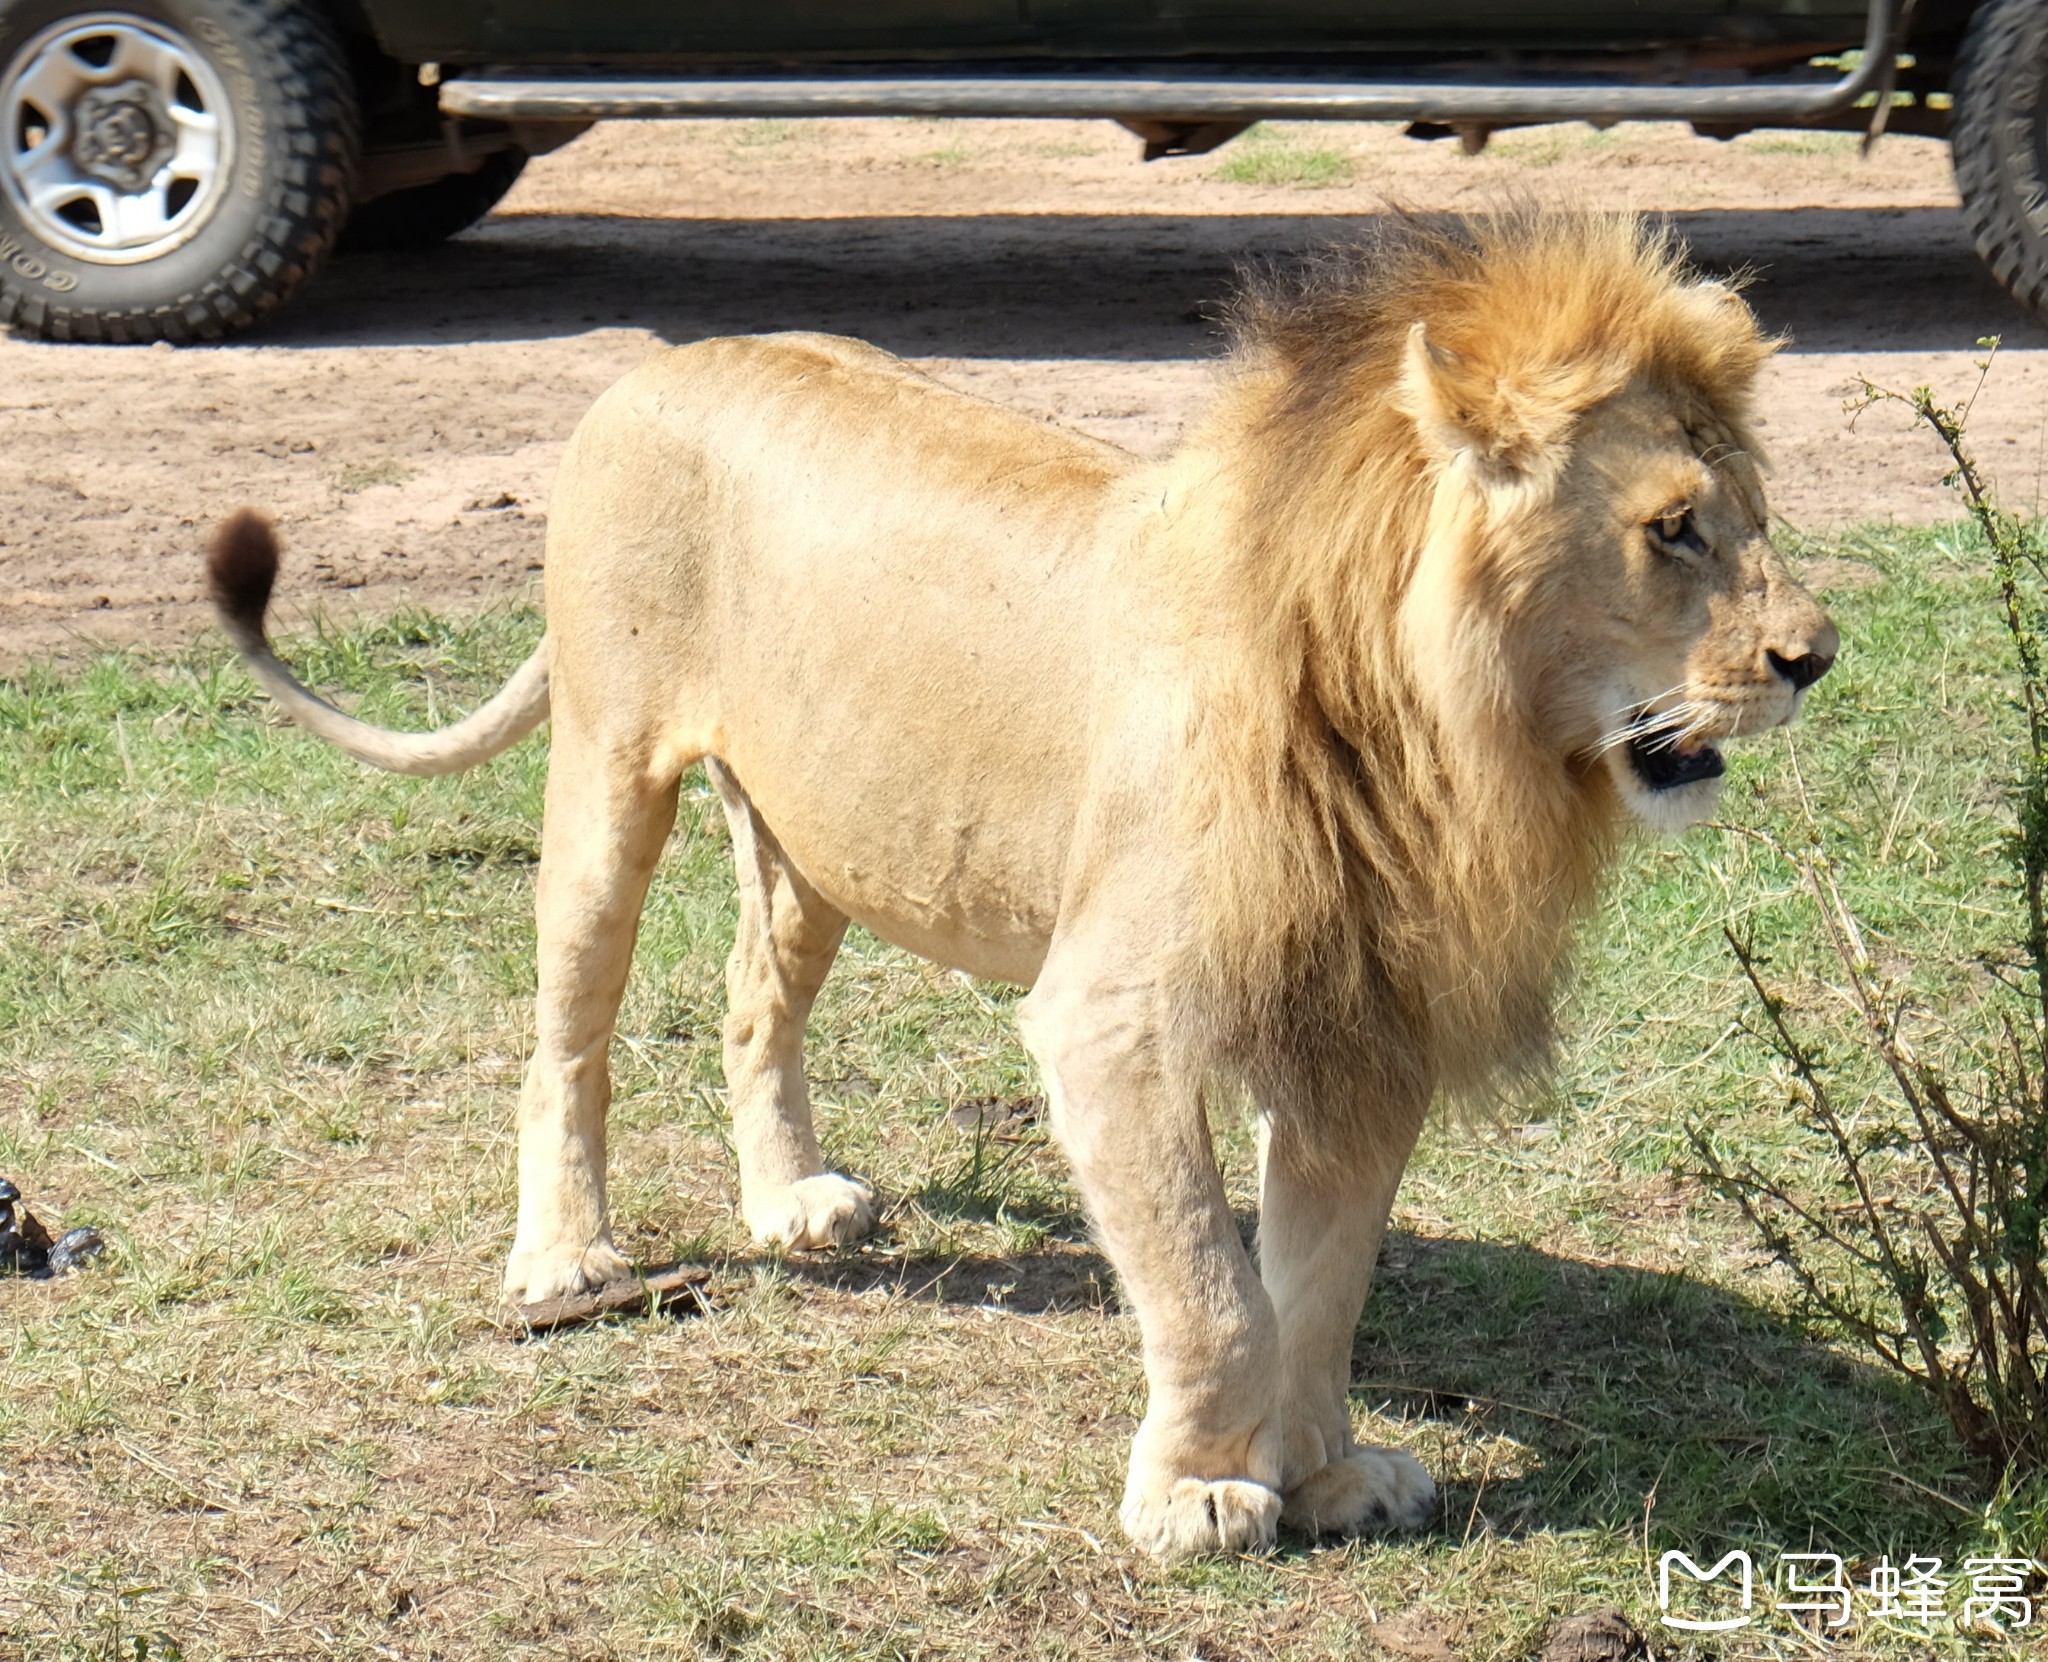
(241, 566)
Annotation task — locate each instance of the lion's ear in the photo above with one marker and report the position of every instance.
(1728, 346)
(1509, 422)
(1431, 386)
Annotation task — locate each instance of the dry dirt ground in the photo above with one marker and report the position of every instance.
(404, 417)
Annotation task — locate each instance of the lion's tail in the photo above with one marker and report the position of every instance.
(240, 569)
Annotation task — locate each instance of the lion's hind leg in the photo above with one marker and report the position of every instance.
(1320, 1223)
(788, 936)
(607, 818)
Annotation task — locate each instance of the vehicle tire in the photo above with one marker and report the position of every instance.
(1998, 142)
(169, 169)
(426, 214)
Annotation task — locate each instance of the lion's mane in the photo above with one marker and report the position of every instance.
(1390, 859)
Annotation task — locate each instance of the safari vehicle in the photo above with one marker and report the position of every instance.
(175, 169)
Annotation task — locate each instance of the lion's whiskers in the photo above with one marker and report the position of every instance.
(1674, 725)
(1714, 455)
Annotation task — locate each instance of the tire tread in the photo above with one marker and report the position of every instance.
(309, 189)
(2003, 36)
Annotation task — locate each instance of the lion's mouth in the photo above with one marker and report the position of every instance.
(1664, 761)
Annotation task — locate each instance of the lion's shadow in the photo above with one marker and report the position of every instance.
(1571, 1395)
(1549, 1394)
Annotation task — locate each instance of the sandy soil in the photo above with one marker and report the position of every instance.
(404, 417)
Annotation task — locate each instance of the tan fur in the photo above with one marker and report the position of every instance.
(1290, 762)
(1389, 844)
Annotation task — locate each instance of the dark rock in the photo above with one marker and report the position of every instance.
(25, 1244)
(1596, 1636)
(74, 1249)
(20, 1255)
(998, 1116)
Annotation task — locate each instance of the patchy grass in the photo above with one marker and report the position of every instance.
(354, 477)
(262, 1017)
(1284, 157)
(766, 134)
(1793, 143)
(1547, 146)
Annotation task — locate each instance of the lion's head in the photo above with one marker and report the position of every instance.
(1601, 518)
(1526, 438)
(1487, 516)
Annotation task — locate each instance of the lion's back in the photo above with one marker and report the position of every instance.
(885, 590)
(806, 397)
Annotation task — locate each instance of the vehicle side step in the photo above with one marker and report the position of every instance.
(1196, 96)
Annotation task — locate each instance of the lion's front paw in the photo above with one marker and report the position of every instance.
(814, 1212)
(534, 1275)
(1362, 1491)
(1188, 1516)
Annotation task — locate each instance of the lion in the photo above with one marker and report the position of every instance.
(1282, 767)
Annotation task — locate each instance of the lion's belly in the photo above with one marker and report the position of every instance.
(951, 889)
(921, 768)
(902, 610)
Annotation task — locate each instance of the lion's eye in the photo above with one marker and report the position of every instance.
(1676, 533)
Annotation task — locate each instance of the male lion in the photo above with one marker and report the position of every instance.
(1289, 761)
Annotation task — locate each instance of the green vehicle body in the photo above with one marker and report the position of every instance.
(973, 31)
(407, 120)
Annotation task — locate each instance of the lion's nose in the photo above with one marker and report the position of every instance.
(1803, 670)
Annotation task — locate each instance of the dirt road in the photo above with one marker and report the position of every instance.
(404, 417)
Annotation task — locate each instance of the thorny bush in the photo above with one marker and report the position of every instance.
(1928, 1250)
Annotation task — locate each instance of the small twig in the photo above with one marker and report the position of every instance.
(328, 903)
(1478, 1494)
(121, 744)
(1045, 1528)
(1915, 1483)
(1473, 1396)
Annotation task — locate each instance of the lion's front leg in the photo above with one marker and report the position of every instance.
(1207, 1461)
(1320, 1223)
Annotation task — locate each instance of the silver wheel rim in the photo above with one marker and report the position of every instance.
(116, 139)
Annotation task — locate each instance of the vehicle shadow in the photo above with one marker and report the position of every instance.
(1114, 286)
(1551, 1394)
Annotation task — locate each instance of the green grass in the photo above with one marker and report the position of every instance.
(263, 1015)
(1282, 156)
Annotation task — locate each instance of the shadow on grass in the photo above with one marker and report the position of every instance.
(1569, 1395)
(1552, 1395)
(1058, 1277)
